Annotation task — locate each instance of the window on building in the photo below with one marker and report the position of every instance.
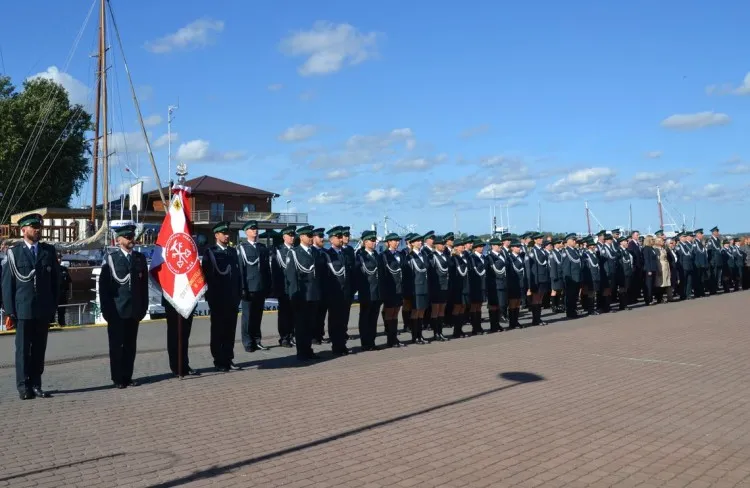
(217, 211)
(248, 207)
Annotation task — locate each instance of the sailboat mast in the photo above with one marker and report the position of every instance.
(95, 168)
(588, 218)
(105, 139)
(661, 213)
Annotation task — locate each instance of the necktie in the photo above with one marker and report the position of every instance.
(33, 252)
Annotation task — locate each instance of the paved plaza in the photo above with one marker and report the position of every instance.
(658, 396)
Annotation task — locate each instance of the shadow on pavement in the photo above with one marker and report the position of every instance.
(515, 377)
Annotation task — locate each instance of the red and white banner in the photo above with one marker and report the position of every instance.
(175, 264)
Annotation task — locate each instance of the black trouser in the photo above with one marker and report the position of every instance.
(368, 322)
(745, 277)
(686, 286)
(174, 341)
(252, 316)
(636, 283)
(31, 344)
(304, 321)
(571, 296)
(648, 288)
(698, 284)
(223, 330)
(123, 342)
(716, 280)
(319, 332)
(338, 323)
(61, 313)
(622, 297)
(285, 318)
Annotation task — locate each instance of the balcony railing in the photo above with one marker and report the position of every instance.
(207, 216)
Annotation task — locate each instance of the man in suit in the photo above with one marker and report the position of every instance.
(30, 295)
(572, 274)
(318, 246)
(255, 273)
(123, 293)
(221, 268)
(337, 292)
(636, 251)
(714, 246)
(304, 288)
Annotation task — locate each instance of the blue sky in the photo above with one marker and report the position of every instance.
(423, 112)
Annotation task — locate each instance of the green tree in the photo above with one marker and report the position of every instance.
(40, 168)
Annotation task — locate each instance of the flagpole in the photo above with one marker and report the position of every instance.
(180, 372)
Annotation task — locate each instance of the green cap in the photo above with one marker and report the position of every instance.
(725, 241)
(305, 230)
(698, 231)
(439, 240)
(127, 230)
(615, 231)
(430, 234)
(415, 238)
(336, 231)
(495, 241)
(369, 235)
(659, 233)
(515, 243)
(479, 243)
(449, 237)
(346, 230)
(319, 232)
(621, 239)
(33, 219)
(715, 229)
(601, 233)
(222, 227)
(250, 224)
(572, 235)
(392, 237)
(506, 237)
(288, 230)
(608, 237)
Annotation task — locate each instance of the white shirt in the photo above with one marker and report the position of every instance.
(220, 246)
(34, 248)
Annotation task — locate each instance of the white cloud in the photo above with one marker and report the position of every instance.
(163, 139)
(360, 150)
(78, 93)
(275, 87)
(419, 164)
(738, 169)
(589, 180)
(152, 120)
(298, 133)
(338, 174)
(329, 47)
(507, 189)
(647, 176)
(325, 198)
(729, 89)
(199, 33)
(379, 194)
(654, 154)
(695, 121)
(199, 150)
(474, 131)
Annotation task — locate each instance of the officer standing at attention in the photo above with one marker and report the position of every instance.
(392, 287)
(572, 274)
(221, 267)
(255, 271)
(700, 264)
(368, 286)
(557, 281)
(123, 293)
(497, 295)
(29, 296)
(305, 293)
(537, 272)
(278, 278)
(714, 246)
(319, 331)
(337, 286)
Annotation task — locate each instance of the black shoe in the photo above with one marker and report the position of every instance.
(38, 392)
(341, 352)
(286, 343)
(419, 340)
(395, 344)
(222, 369)
(26, 395)
(120, 386)
(188, 372)
(317, 342)
(308, 357)
(132, 383)
(234, 367)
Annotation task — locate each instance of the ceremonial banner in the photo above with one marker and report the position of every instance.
(175, 264)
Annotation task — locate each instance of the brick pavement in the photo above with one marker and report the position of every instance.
(653, 397)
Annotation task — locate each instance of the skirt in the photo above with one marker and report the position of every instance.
(420, 302)
(439, 296)
(393, 301)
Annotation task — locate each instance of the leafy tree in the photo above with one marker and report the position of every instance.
(58, 166)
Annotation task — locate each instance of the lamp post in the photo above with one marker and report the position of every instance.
(287, 205)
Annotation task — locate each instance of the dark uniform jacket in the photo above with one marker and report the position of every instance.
(255, 267)
(685, 256)
(303, 280)
(650, 260)
(368, 276)
(477, 278)
(123, 286)
(591, 271)
(415, 275)
(459, 280)
(278, 270)
(516, 282)
(30, 288)
(392, 276)
(439, 272)
(636, 251)
(625, 269)
(555, 270)
(572, 267)
(700, 256)
(537, 268)
(221, 267)
(337, 280)
(714, 251)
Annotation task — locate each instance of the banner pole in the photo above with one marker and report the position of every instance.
(180, 371)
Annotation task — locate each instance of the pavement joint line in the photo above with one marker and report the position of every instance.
(645, 360)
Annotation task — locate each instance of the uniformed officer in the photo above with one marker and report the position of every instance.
(516, 284)
(739, 262)
(255, 272)
(728, 263)
(337, 286)
(685, 257)
(278, 277)
(174, 341)
(221, 267)
(608, 263)
(439, 274)
(123, 293)
(477, 286)
(449, 239)
(459, 287)
(305, 291)
(557, 279)
(318, 243)
(572, 273)
(637, 283)
(497, 295)
(700, 264)
(537, 275)
(625, 271)
(368, 286)
(416, 289)
(405, 287)
(29, 297)
(714, 246)
(391, 287)
(591, 277)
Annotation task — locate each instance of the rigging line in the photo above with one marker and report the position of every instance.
(41, 122)
(2, 60)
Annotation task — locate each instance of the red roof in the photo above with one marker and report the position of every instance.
(209, 184)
